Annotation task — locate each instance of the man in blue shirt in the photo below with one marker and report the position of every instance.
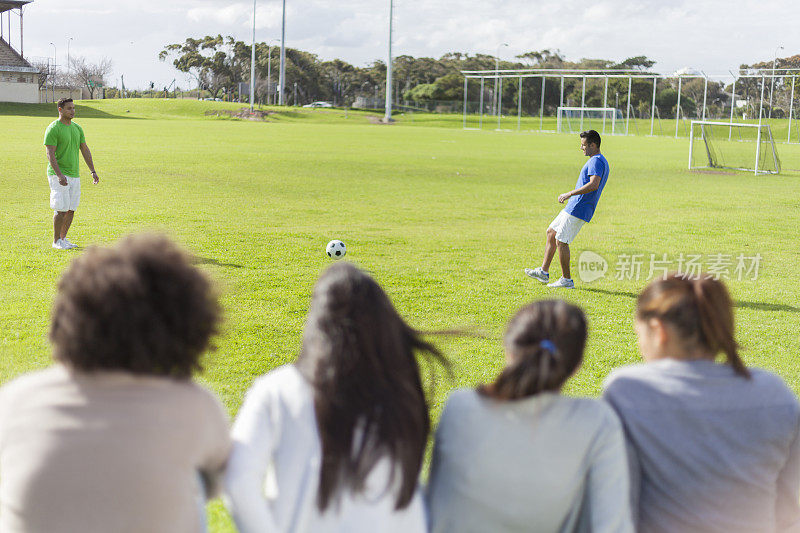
(579, 210)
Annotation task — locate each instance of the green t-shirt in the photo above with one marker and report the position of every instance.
(67, 140)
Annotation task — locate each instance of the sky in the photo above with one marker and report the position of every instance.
(711, 36)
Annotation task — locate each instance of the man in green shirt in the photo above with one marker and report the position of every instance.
(63, 139)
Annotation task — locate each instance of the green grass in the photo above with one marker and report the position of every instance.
(444, 218)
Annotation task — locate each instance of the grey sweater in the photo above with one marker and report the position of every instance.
(709, 450)
(546, 463)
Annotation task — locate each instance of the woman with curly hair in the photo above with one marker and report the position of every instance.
(116, 436)
(517, 456)
(714, 446)
(338, 437)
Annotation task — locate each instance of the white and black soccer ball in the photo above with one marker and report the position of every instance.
(336, 249)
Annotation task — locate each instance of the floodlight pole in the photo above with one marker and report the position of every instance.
(541, 105)
(628, 107)
(653, 108)
(733, 104)
(583, 99)
(496, 79)
(760, 112)
(772, 80)
(705, 94)
(499, 102)
(605, 104)
(282, 82)
(253, 60)
(480, 119)
(55, 68)
(388, 113)
(791, 110)
(678, 108)
(466, 80)
(519, 104)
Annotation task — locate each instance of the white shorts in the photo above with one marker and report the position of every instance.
(64, 197)
(566, 227)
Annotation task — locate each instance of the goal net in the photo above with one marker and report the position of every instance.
(601, 119)
(748, 147)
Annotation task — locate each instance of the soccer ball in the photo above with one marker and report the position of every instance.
(336, 249)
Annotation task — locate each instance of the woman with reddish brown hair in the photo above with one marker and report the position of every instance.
(712, 446)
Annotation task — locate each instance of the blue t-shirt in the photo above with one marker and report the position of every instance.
(582, 206)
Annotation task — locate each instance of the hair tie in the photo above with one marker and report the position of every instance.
(548, 345)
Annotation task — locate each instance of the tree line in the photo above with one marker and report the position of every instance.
(218, 64)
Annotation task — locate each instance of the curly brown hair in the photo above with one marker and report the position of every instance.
(139, 306)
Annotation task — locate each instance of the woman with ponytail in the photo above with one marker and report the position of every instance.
(515, 455)
(712, 446)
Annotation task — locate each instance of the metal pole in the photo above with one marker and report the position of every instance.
(705, 94)
(605, 104)
(388, 114)
(480, 120)
(583, 99)
(496, 76)
(55, 69)
(791, 109)
(772, 80)
(678, 108)
(269, 74)
(499, 103)
(691, 143)
(253, 60)
(541, 105)
(628, 107)
(561, 98)
(653, 108)
(282, 82)
(760, 112)
(733, 105)
(519, 104)
(465, 101)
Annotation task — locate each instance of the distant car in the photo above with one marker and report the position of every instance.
(319, 104)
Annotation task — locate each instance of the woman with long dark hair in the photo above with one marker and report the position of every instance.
(517, 456)
(338, 437)
(713, 446)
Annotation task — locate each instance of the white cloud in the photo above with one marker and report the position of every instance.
(712, 35)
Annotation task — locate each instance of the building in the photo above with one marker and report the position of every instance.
(19, 81)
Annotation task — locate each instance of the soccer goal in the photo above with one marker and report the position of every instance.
(601, 119)
(748, 147)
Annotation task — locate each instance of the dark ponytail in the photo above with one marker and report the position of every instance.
(700, 309)
(545, 342)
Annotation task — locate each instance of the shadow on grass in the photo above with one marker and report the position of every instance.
(610, 292)
(742, 304)
(51, 110)
(210, 261)
(762, 306)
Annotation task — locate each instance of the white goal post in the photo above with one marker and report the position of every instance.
(735, 146)
(578, 119)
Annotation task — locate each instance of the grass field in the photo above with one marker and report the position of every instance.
(444, 218)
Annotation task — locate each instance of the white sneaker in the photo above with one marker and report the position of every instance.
(537, 274)
(59, 245)
(562, 283)
(69, 245)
